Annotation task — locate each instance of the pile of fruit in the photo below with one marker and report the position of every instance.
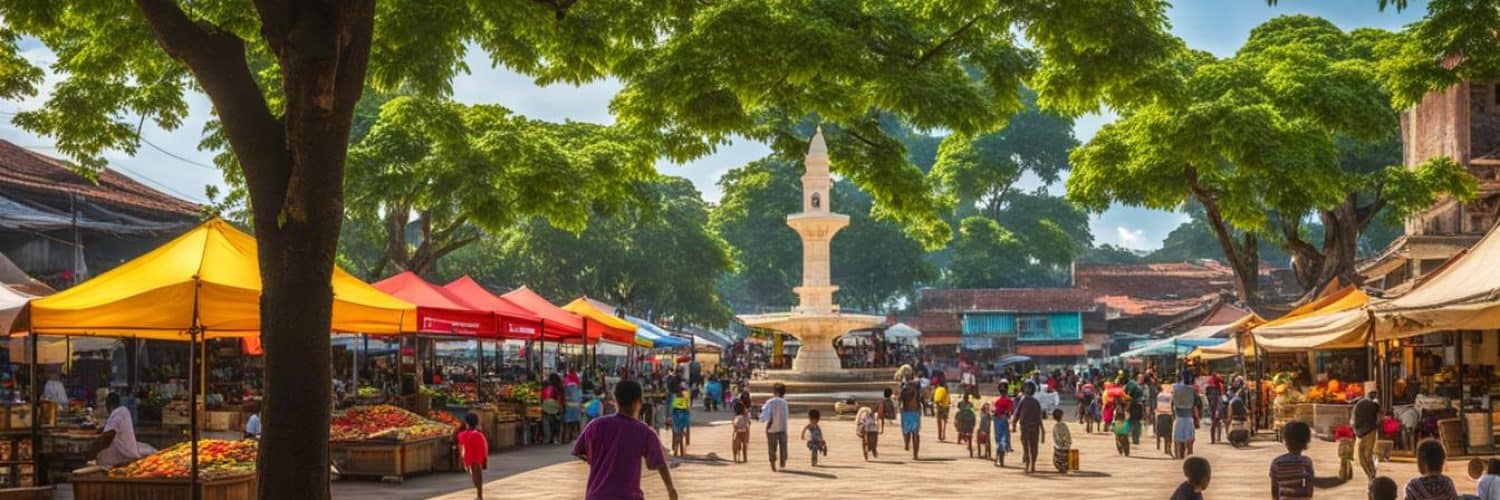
(444, 417)
(367, 391)
(216, 459)
(383, 421)
(525, 393)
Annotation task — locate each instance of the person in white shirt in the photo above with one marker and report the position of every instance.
(774, 413)
(252, 426)
(55, 392)
(116, 445)
(970, 383)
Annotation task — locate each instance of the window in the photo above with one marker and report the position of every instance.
(1033, 326)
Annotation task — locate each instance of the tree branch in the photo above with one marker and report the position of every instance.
(938, 49)
(217, 60)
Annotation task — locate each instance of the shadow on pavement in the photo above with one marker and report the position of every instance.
(820, 475)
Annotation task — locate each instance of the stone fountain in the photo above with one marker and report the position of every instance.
(816, 373)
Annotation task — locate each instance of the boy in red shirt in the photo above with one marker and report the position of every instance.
(475, 450)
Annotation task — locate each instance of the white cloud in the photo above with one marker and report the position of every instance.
(1131, 238)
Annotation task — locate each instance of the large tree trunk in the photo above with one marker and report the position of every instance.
(294, 169)
(1241, 251)
(1339, 253)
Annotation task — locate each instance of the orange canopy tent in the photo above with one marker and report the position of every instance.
(438, 311)
(601, 322)
(515, 322)
(557, 325)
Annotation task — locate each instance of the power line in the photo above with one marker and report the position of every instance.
(153, 182)
(175, 155)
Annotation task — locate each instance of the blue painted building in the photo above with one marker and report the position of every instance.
(1053, 325)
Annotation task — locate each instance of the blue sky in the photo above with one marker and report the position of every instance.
(1218, 26)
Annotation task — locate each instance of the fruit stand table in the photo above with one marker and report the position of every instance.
(99, 486)
(386, 459)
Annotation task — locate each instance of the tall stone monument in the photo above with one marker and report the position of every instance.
(816, 321)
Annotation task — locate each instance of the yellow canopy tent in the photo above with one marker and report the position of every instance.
(203, 284)
(1463, 295)
(613, 328)
(1336, 321)
(207, 278)
(1240, 342)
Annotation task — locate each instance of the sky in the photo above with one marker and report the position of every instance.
(170, 160)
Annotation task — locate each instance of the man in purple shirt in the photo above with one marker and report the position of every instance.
(614, 446)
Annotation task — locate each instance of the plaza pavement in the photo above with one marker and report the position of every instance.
(944, 471)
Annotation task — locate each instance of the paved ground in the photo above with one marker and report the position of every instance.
(944, 471)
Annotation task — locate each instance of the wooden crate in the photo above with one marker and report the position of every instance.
(385, 459)
(28, 493)
(226, 420)
(103, 487)
(505, 435)
(445, 457)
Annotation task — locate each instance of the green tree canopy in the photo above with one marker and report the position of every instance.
(656, 259)
(443, 170)
(285, 77)
(1255, 139)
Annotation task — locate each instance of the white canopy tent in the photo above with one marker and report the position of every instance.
(1463, 295)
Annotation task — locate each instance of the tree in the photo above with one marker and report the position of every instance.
(1255, 139)
(656, 259)
(1111, 254)
(873, 260)
(285, 77)
(1455, 42)
(460, 168)
(980, 173)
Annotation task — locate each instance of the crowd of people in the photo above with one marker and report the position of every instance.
(616, 444)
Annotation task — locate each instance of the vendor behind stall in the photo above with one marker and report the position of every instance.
(54, 391)
(117, 444)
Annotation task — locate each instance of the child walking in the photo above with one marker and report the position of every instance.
(1292, 473)
(741, 443)
(814, 436)
(868, 428)
(681, 417)
(1431, 484)
(1344, 436)
(963, 422)
(1004, 409)
(1121, 430)
(1062, 442)
(474, 451)
(982, 440)
(1198, 473)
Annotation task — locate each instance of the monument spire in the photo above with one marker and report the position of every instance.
(816, 225)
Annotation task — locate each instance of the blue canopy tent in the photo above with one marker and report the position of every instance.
(654, 334)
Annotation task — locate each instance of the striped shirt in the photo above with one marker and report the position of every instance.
(1292, 477)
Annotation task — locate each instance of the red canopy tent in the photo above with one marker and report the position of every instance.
(557, 325)
(515, 321)
(438, 311)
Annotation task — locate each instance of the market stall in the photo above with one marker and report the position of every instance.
(1317, 358)
(202, 285)
(1441, 345)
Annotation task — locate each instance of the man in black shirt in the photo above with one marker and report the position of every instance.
(1366, 424)
(1029, 418)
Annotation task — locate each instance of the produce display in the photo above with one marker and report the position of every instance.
(216, 459)
(383, 421)
(525, 393)
(458, 394)
(444, 417)
(367, 391)
(1333, 391)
